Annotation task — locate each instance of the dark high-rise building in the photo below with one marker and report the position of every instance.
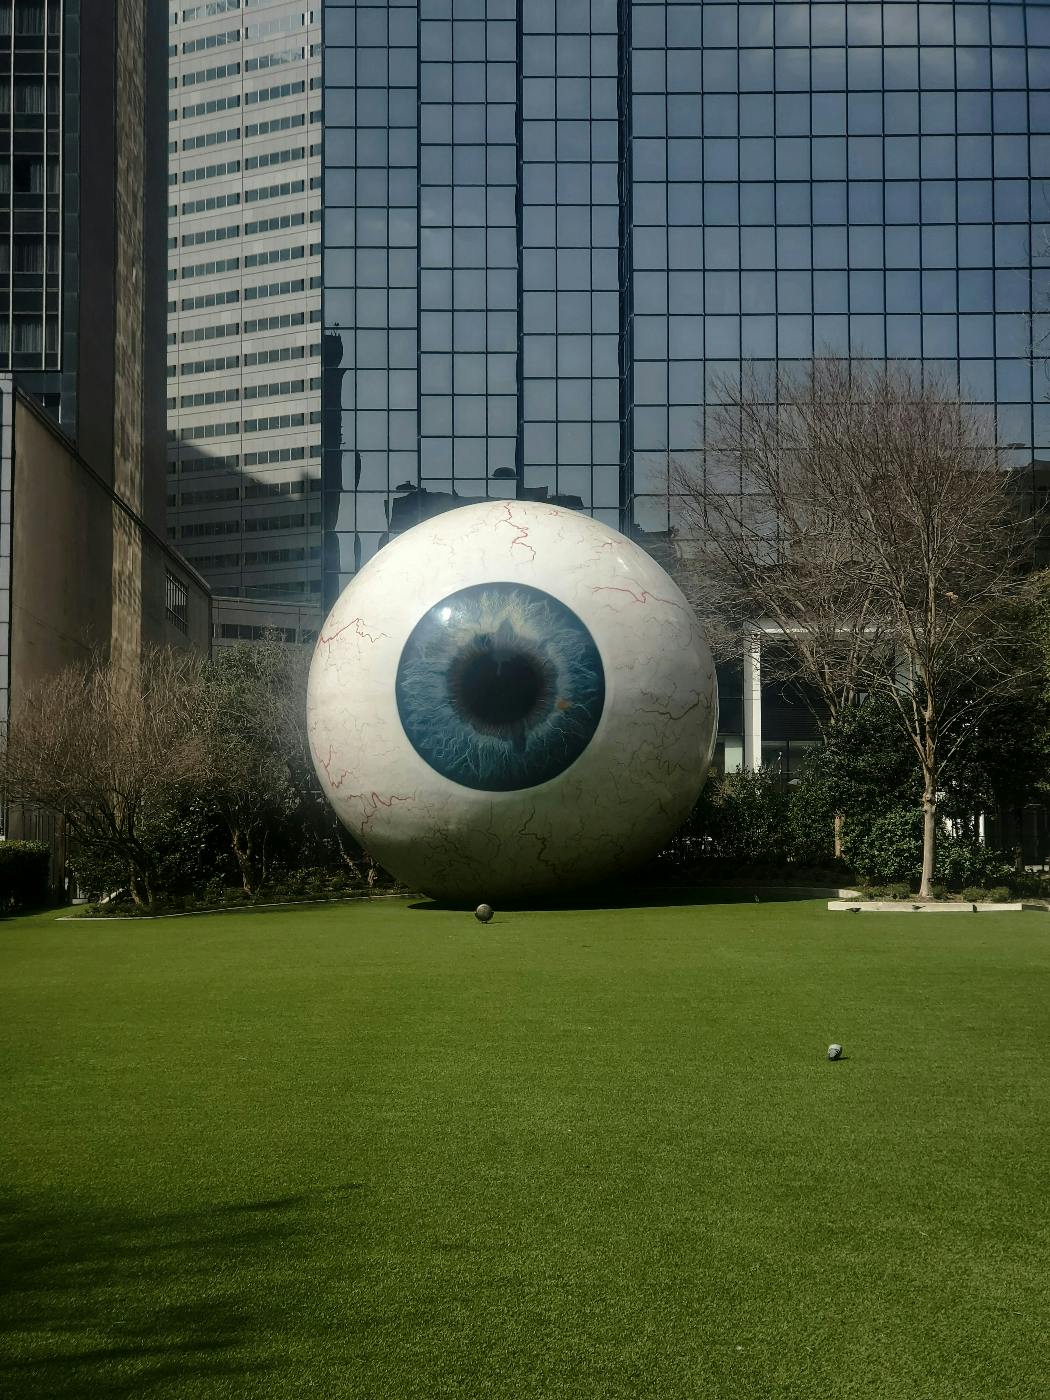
(39, 184)
(550, 228)
(83, 215)
(84, 564)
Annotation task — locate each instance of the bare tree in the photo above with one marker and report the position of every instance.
(105, 746)
(863, 517)
(259, 776)
(316, 812)
(252, 725)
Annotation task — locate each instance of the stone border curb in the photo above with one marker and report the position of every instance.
(933, 906)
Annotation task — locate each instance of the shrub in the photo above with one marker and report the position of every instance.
(1028, 883)
(900, 889)
(25, 868)
(810, 818)
(886, 849)
(213, 891)
(741, 816)
(961, 863)
(980, 894)
(186, 847)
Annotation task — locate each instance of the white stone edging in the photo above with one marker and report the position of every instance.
(933, 906)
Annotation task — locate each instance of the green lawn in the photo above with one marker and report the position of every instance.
(382, 1151)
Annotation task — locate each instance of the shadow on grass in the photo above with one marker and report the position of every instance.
(645, 896)
(106, 1304)
(26, 911)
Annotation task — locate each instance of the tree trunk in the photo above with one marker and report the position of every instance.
(141, 890)
(838, 835)
(929, 836)
(136, 893)
(242, 850)
(354, 871)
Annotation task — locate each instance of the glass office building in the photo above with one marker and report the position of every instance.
(551, 226)
(39, 92)
(82, 210)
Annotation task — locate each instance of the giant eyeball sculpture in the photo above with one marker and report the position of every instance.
(508, 699)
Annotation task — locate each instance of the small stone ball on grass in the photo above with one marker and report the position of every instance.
(834, 1052)
(483, 913)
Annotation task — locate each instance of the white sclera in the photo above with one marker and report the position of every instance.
(625, 794)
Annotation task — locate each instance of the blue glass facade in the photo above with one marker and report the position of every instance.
(551, 225)
(40, 200)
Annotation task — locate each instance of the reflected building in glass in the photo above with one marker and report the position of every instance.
(551, 226)
(244, 351)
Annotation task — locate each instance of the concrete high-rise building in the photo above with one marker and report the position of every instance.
(244, 198)
(552, 227)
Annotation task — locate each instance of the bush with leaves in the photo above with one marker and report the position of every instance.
(809, 835)
(186, 842)
(740, 816)
(963, 863)
(998, 894)
(885, 849)
(888, 849)
(864, 767)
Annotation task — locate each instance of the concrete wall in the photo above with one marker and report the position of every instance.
(86, 573)
(61, 556)
(123, 248)
(157, 628)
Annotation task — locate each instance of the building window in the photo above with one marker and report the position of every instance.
(175, 603)
(246, 632)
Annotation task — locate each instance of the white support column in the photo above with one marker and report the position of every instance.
(753, 704)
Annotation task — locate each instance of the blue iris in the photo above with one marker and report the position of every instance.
(500, 687)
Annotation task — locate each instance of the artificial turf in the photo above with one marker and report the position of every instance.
(382, 1151)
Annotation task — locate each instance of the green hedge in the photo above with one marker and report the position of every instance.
(24, 875)
(887, 849)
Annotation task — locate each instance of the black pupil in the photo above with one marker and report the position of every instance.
(497, 687)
